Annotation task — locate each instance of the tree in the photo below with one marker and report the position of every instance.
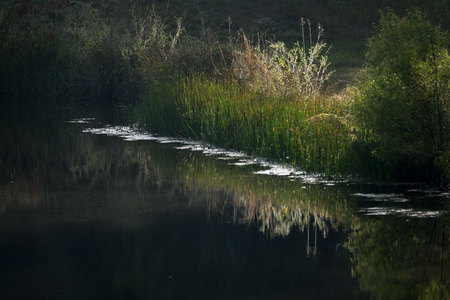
(401, 107)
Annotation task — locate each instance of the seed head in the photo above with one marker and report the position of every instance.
(320, 28)
(302, 22)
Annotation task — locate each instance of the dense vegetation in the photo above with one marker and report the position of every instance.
(201, 76)
(402, 107)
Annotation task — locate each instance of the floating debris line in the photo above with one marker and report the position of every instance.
(240, 159)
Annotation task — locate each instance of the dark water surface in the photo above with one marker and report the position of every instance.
(90, 211)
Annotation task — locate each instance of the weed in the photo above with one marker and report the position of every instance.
(273, 68)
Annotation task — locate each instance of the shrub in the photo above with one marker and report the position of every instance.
(275, 69)
(401, 107)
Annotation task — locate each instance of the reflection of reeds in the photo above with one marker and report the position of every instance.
(275, 205)
(273, 216)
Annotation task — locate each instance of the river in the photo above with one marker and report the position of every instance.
(93, 210)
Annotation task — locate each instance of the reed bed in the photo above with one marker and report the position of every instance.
(311, 132)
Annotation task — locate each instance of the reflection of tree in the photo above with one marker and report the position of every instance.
(399, 259)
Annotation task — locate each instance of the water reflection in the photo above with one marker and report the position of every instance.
(135, 218)
(403, 260)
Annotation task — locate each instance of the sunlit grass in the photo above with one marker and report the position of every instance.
(311, 132)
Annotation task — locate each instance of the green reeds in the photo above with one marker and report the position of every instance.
(309, 132)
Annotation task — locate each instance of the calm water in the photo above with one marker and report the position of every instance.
(93, 211)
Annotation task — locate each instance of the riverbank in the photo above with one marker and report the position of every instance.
(272, 101)
(250, 92)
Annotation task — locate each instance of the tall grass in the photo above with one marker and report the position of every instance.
(312, 132)
(272, 67)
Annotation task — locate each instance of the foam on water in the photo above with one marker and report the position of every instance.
(383, 197)
(430, 192)
(236, 158)
(80, 121)
(404, 212)
(244, 162)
